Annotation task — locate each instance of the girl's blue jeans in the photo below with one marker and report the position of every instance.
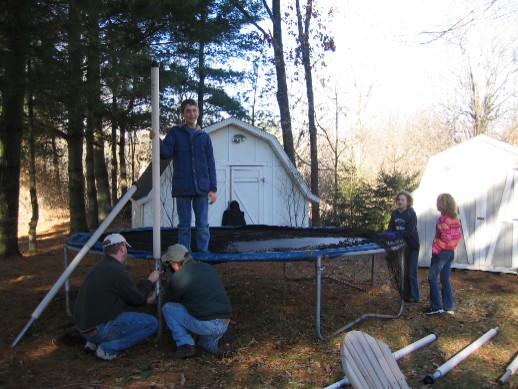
(441, 266)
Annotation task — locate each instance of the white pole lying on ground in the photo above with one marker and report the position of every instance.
(155, 179)
(78, 258)
(414, 346)
(511, 369)
(397, 356)
(459, 357)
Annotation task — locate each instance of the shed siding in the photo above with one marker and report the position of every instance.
(481, 175)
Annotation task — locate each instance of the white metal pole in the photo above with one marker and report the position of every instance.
(397, 356)
(459, 357)
(511, 369)
(155, 180)
(414, 346)
(155, 161)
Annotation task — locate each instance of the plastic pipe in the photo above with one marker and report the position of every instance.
(414, 346)
(397, 356)
(459, 357)
(155, 179)
(511, 369)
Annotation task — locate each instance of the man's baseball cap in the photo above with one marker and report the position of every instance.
(176, 253)
(114, 239)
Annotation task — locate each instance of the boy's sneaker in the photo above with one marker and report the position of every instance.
(225, 345)
(450, 312)
(433, 312)
(105, 356)
(90, 347)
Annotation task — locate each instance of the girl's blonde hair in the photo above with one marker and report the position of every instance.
(446, 204)
(409, 198)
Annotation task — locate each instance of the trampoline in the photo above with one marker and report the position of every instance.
(261, 243)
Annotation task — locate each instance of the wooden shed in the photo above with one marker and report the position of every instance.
(252, 169)
(481, 174)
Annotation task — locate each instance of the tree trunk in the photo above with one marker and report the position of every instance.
(93, 115)
(101, 175)
(282, 85)
(75, 137)
(114, 165)
(91, 191)
(201, 82)
(33, 241)
(306, 60)
(56, 161)
(16, 40)
(122, 160)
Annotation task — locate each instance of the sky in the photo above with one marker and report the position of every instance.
(381, 44)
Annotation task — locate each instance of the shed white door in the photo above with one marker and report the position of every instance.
(247, 188)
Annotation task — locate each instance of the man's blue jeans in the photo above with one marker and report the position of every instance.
(441, 265)
(200, 205)
(124, 331)
(181, 324)
(411, 280)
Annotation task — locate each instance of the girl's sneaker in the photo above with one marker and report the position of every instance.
(433, 312)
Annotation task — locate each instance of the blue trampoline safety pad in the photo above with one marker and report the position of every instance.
(251, 243)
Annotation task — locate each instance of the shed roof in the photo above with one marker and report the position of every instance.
(483, 152)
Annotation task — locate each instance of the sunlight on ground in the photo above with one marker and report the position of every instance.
(43, 351)
(47, 220)
(11, 282)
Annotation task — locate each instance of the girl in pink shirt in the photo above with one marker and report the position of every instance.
(447, 236)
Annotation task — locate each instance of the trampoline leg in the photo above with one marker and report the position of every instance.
(158, 291)
(67, 284)
(318, 270)
(372, 272)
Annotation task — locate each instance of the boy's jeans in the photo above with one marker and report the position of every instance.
(181, 324)
(200, 206)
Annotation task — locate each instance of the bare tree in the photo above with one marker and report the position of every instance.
(486, 34)
(275, 39)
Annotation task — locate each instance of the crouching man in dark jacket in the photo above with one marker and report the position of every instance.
(103, 310)
(197, 303)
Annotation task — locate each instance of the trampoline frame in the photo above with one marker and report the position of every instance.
(318, 277)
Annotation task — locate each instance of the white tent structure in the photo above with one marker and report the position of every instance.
(482, 175)
(252, 169)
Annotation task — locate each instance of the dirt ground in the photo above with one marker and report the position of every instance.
(274, 326)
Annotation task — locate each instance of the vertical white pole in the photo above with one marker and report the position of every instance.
(155, 179)
(155, 161)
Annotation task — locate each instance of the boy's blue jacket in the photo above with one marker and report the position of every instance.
(193, 161)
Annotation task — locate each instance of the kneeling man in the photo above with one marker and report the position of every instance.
(196, 303)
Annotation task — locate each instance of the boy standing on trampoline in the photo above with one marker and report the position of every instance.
(194, 174)
(447, 236)
(403, 222)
